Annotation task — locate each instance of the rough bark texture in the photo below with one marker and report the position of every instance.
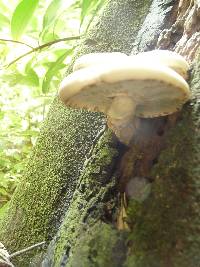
(66, 139)
(163, 227)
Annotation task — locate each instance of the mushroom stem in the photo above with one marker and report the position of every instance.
(121, 118)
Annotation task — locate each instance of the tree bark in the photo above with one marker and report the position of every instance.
(65, 141)
(85, 192)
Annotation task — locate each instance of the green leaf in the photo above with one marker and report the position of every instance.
(51, 13)
(90, 7)
(31, 78)
(13, 78)
(48, 36)
(4, 21)
(97, 7)
(52, 71)
(59, 52)
(85, 7)
(21, 17)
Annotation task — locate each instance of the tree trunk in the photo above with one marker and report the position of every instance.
(80, 174)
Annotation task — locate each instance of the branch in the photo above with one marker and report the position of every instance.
(42, 47)
(57, 41)
(26, 249)
(14, 41)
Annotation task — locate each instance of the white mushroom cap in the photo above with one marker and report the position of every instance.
(168, 58)
(98, 58)
(124, 91)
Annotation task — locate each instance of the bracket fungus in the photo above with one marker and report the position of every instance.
(168, 58)
(98, 58)
(125, 90)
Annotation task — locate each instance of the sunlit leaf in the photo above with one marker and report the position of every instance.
(21, 17)
(31, 78)
(97, 7)
(48, 36)
(48, 64)
(90, 7)
(21, 105)
(51, 12)
(58, 64)
(4, 21)
(13, 78)
(85, 6)
(51, 19)
(60, 52)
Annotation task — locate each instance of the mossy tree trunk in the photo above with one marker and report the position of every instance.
(79, 173)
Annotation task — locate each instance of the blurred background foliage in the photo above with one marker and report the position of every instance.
(35, 48)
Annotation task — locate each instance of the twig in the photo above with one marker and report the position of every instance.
(42, 47)
(18, 58)
(26, 249)
(57, 41)
(14, 41)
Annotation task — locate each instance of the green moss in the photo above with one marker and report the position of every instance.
(66, 138)
(166, 226)
(88, 201)
(50, 177)
(101, 245)
(121, 20)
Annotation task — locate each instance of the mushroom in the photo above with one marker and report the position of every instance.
(123, 91)
(98, 58)
(168, 58)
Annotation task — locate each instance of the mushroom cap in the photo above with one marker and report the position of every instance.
(156, 90)
(98, 58)
(168, 58)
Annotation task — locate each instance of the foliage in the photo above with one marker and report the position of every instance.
(34, 55)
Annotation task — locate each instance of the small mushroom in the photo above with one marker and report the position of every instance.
(123, 91)
(98, 58)
(168, 58)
